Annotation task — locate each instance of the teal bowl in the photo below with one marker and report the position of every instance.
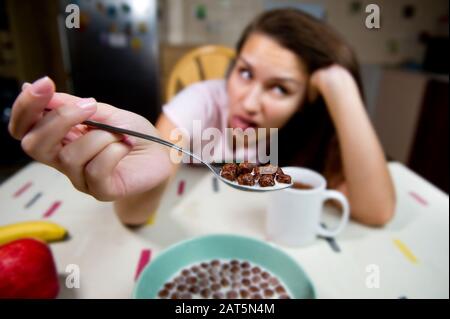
(205, 248)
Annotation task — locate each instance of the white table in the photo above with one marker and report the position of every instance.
(411, 252)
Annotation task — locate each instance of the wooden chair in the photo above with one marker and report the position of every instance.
(203, 63)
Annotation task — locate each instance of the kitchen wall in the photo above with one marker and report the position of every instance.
(221, 21)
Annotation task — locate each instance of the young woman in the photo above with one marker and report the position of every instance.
(292, 72)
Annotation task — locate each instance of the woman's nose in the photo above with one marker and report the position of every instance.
(252, 100)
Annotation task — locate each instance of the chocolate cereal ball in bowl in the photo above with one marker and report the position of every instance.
(223, 267)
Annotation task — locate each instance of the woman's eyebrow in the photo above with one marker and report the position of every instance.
(245, 61)
(282, 79)
(275, 79)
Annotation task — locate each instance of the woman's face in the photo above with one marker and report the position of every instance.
(266, 85)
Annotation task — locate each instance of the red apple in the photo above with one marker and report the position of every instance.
(27, 270)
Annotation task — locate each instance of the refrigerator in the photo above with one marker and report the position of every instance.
(111, 54)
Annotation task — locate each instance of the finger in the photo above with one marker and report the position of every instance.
(103, 114)
(74, 156)
(25, 85)
(101, 174)
(28, 106)
(74, 133)
(60, 99)
(103, 110)
(44, 141)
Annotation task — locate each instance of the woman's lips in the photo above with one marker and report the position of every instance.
(240, 122)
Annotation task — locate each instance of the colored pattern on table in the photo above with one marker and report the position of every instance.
(215, 184)
(144, 259)
(33, 200)
(22, 189)
(181, 185)
(51, 210)
(151, 220)
(418, 198)
(405, 251)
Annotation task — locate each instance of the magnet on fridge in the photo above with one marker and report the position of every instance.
(84, 20)
(128, 29)
(113, 27)
(200, 12)
(409, 11)
(355, 7)
(117, 40)
(136, 43)
(112, 11)
(100, 7)
(104, 38)
(392, 46)
(125, 8)
(142, 27)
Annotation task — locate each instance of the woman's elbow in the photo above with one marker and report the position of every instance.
(383, 217)
(377, 215)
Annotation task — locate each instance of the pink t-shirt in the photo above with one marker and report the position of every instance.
(206, 102)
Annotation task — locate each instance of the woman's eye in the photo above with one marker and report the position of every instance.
(281, 90)
(245, 74)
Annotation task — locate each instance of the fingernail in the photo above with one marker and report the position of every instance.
(41, 86)
(87, 103)
(71, 136)
(25, 85)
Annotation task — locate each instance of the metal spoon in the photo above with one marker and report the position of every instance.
(215, 168)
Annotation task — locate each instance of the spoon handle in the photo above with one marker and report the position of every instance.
(119, 130)
(114, 129)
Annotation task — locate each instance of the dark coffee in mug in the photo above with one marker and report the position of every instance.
(299, 185)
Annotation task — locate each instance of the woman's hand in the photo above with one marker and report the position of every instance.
(99, 163)
(332, 82)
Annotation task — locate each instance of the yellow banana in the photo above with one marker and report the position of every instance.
(44, 230)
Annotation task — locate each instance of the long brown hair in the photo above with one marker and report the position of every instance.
(309, 138)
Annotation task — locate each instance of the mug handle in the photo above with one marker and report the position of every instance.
(330, 194)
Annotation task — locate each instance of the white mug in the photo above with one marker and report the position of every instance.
(293, 215)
